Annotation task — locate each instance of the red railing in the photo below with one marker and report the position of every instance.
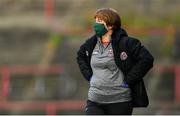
(49, 106)
(176, 70)
(52, 106)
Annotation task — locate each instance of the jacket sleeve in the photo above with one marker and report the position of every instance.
(82, 60)
(143, 61)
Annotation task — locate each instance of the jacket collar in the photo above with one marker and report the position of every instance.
(118, 34)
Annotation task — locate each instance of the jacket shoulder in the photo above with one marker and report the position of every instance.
(88, 43)
(132, 40)
(91, 39)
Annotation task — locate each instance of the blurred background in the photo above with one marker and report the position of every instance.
(38, 44)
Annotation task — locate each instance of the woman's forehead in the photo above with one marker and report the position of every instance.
(98, 19)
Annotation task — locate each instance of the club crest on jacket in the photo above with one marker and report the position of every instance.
(123, 56)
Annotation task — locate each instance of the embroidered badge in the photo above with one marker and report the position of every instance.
(123, 56)
(110, 52)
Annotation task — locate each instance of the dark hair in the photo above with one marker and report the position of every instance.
(109, 16)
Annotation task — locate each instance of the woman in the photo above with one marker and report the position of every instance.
(114, 64)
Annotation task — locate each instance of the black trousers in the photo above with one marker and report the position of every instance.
(122, 108)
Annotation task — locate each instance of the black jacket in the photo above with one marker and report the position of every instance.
(138, 62)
